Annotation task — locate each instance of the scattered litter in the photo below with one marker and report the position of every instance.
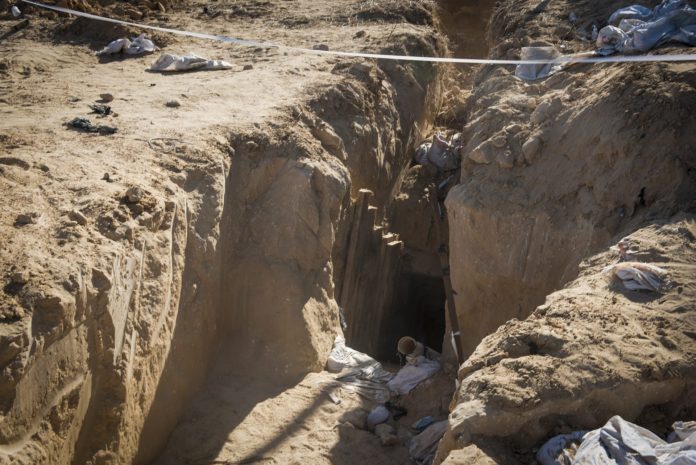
(138, 46)
(334, 398)
(682, 430)
(637, 29)
(638, 276)
(170, 62)
(560, 450)
(620, 442)
(423, 423)
(439, 153)
(412, 374)
(173, 104)
(623, 248)
(106, 98)
(85, 125)
(378, 415)
(16, 12)
(101, 109)
(387, 435)
(423, 447)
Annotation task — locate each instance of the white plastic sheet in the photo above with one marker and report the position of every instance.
(138, 46)
(639, 276)
(412, 374)
(170, 62)
(620, 442)
(343, 357)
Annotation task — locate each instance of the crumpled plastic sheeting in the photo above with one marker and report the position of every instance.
(423, 446)
(637, 29)
(540, 71)
(638, 276)
(137, 46)
(620, 442)
(412, 374)
(440, 153)
(170, 62)
(342, 357)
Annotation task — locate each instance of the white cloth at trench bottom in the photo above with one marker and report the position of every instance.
(170, 62)
(619, 442)
(137, 46)
(412, 374)
(342, 357)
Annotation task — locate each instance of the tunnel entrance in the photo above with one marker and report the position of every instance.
(393, 284)
(419, 311)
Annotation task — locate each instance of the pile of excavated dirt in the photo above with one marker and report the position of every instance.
(555, 171)
(591, 351)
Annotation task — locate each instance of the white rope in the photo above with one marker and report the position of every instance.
(380, 56)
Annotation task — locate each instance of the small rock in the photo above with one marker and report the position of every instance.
(357, 418)
(386, 435)
(135, 194)
(173, 104)
(359, 34)
(530, 149)
(78, 217)
(322, 47)
(73, 99)
(19, 277)
(499, 141)
(247, 67)
(106, 98)
(106, 177)
(26, 218)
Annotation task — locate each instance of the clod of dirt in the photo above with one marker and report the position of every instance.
(173, 104)
(26, 218)
(106, 98)
(78, 217)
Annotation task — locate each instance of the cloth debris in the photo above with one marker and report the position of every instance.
(85, 125)
(363, 366)
(440, 153)
(620, 442)
(412, 374)
(638, 29)
(423, 423)
(423, 446)
(138, 46)
(170, 62)
(16, 12)
(638, 276)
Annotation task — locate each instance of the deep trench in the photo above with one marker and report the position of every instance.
(395, 287)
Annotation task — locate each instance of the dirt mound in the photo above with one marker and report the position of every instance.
(593, 350)
(554, 169)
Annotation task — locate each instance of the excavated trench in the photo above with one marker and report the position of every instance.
(302, 234)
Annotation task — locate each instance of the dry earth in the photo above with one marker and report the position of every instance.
(170, 292)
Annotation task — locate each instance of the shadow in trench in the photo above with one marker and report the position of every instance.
(228, 397)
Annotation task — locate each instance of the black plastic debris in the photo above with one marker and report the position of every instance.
(101, 109)
(85, 125)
